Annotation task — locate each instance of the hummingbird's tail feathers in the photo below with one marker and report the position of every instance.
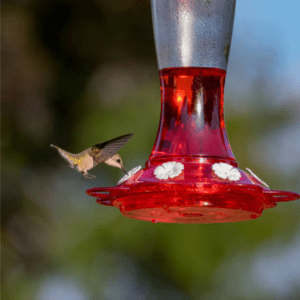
(111, 147)
(69, 157)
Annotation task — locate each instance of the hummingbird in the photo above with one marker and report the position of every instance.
(106, 152)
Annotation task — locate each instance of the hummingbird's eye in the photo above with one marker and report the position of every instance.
(118, 160)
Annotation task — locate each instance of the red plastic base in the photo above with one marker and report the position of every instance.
(197, 195)
(202, 183)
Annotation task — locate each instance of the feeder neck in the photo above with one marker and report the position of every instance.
(193, 33)
(192, 118)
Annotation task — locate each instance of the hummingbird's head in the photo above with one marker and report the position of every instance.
(116, 161)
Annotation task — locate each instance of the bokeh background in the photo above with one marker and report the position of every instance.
(76, 73)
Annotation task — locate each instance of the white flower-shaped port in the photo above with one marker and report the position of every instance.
(226, 171)
(130, 174)
(169, 169)
(257, 178)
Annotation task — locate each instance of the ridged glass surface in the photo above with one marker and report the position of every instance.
(192, 120)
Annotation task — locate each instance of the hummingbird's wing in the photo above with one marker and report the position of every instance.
(103, 151)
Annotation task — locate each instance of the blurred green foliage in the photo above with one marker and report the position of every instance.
(76, 73)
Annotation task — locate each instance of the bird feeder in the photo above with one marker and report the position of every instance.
(191, 175)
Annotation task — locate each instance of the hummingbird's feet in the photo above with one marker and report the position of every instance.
(88, 176)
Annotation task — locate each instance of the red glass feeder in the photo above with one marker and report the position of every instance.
(191, 175)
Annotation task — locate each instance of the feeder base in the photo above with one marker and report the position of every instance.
(197, 195)
(191, 214)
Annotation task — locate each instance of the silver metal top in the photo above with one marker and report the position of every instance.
(193, 33)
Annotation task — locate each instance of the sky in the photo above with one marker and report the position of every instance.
(283, 16)
(269, 27)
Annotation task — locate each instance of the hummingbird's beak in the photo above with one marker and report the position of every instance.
(124, 170)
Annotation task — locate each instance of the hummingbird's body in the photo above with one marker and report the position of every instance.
(101, 153)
